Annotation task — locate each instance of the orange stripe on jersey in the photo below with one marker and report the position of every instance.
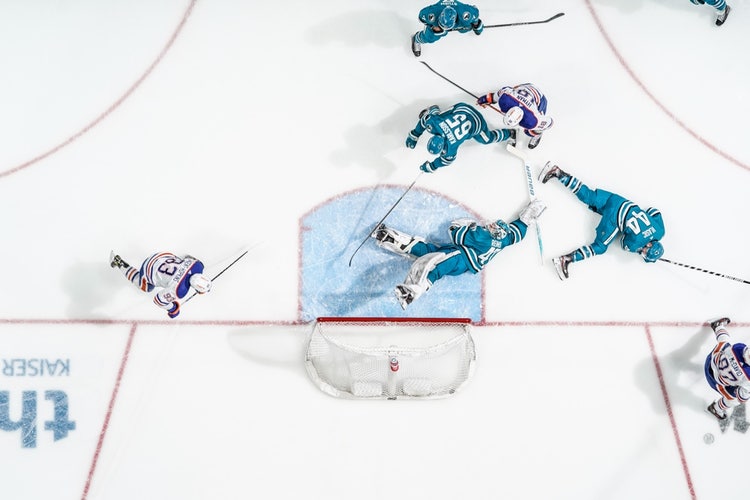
(535, 93)
(719, 347)
(724, 392)
(159, 302)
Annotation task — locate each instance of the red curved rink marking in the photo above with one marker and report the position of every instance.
(134, 324)
(110, 408)
(656, 101)
(114, 105)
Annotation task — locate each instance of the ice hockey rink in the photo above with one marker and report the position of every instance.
(215, 127)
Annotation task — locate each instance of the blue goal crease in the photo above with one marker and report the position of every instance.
(333, 230)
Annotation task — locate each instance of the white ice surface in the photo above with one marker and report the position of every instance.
(255, 114)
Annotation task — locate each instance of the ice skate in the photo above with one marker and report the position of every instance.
(404, 295)
(416, 48)
(720, 322)
(549, 171)
(381, 234)
(716, 412)
(534, 141)
(561, 266)
(722, 16)
(116, 261)
(394, 240)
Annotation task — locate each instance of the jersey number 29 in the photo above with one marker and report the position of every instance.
(459, 126)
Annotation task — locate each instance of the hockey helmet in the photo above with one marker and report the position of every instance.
(200, 283)
(447, 19)
(435, 144)
(498, 229)
(513, 116)
(652, 251)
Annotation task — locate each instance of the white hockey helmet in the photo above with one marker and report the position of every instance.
(499, 229)
(513, 116)
(200, 283)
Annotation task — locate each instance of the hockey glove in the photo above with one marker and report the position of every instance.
(478, 27)
(411, 142)
(487, 99)
(174, 311)
(427, 167)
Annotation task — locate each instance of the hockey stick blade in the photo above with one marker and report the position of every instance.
(705, 271)
(529, 179)
(516, 152)
(384, 217)
(559, 14)
(532, 192)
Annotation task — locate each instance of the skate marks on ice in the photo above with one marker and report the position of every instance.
(331, 232)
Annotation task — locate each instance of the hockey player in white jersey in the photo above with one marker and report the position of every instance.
(174, 275)
(522, 106)
(727, 370)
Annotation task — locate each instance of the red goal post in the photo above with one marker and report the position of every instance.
(390, 358)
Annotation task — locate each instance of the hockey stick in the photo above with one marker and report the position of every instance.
(560, 14)
(386, 215)
(705, 271)
(532, 193)
(460, 87)
(220, 273)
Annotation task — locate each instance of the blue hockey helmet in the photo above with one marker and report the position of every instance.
(652, 251)
(435, 144)
(498, 229)
(447, 19)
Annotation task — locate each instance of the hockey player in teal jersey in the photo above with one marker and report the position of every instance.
(443, 17)
(174, 275)
(450, 129)
(727, 370)
(721, 7)
(640, 230)
(473, 246)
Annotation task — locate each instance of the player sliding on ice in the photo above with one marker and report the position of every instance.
(443, 17)
(174, 275)
(640, 229)
(472, 246)
(727, 370)
(450, 129)
(522, 106)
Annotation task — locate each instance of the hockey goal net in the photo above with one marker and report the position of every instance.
(390, 358)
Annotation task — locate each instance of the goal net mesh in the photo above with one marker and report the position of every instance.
(390, 358)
